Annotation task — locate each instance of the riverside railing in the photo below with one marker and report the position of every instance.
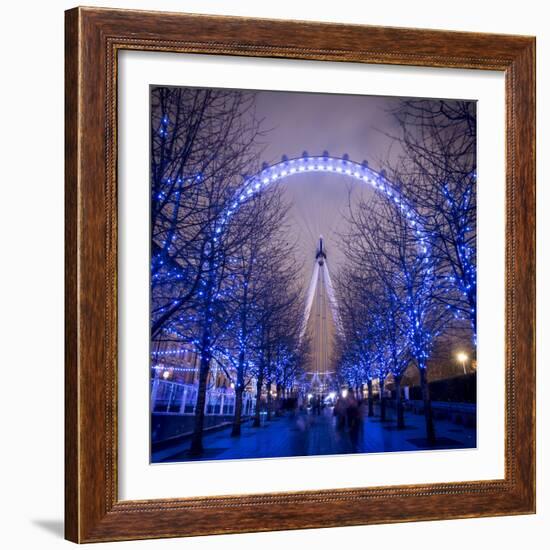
(174, 398)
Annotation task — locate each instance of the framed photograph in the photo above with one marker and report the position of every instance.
(300, 275)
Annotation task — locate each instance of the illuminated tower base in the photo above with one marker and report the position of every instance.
(321, 319)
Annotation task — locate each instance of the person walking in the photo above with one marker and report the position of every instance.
(340, 413)
(353, 421)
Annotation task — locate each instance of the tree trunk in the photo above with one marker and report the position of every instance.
(269, 374)
(399, 403)
(236, 429)
(280, 397)
(204, 369)
(382, 400)
(239, 389)
(269, 401)
(428, 415)
(370, 398)
(196, 441)
(257, 419)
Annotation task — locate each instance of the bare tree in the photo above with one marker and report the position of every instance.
(402, 293)
(278, 323)
(203, 141)
(438, 140)
(252, 266)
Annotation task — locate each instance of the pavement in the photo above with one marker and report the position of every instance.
(307, 434)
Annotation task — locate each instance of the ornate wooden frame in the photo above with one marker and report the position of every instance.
(93, 39)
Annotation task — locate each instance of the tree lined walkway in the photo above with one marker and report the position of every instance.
(304, 434)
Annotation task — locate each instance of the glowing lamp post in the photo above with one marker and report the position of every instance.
(462, 357)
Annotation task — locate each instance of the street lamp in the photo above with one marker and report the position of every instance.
(462, 357)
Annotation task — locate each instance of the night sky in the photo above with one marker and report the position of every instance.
(339, 124)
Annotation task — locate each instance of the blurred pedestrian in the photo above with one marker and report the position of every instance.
(340, 413)
(353, 420)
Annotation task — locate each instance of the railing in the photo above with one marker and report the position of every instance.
(451, 407)
(174, 398)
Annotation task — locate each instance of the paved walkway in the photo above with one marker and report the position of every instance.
(303, 434)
